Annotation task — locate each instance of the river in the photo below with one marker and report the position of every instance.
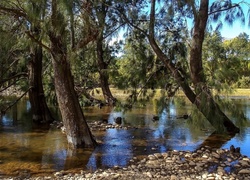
(25, 147)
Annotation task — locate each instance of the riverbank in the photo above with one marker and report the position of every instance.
(205, 163)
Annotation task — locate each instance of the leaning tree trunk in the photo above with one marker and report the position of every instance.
(39, 108)
(201, 97)
(104, 77)
(77, 130)
(204, 100)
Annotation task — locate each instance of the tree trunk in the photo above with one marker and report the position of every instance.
(104, 77)
(201, 97)
(204, 100)
(40, 110)
(77, 130)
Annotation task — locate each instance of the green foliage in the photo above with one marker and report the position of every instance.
(243, 82)
(137, 67)
(231, 108)
(13, 52)
(224, 61)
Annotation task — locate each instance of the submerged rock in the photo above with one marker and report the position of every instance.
(156, 118)
(118, 120)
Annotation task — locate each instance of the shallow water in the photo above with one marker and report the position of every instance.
(37, 150)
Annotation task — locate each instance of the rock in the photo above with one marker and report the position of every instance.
(151, 157)
(244, 171)
(205, 156)
(232, 149)
(105, 121)
(237, 150)
(149, 174)
(210, 178)
(245, 159)
(215, 155)
(191, 163)
(169, 161)
(156, 118)
(173, 177)
(158, 155)
(118, 120)
(244, 163)
(58, 174)
(185, 116)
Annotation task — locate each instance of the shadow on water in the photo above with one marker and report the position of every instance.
(37, 150)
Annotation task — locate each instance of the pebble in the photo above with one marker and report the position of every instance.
(244, 171)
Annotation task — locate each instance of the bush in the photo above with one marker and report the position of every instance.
(244, 82)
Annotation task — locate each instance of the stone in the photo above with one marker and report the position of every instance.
(58, 174)
(156, 118)
(118, 120)
(244, 171)
(191, 163)
(246, 159)
(216, 155)
(173, 177)
(244, 163)
(205, 156)
(169, 161)
(158, 155)
(149, 174)
(116, 176)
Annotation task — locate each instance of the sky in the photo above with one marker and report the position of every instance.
(227, 31)
(237, 28)
(233, 31)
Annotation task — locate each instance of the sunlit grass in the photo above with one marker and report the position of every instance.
(241, 92)
(122, 94)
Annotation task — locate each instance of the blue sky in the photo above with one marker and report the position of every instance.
(237, 28)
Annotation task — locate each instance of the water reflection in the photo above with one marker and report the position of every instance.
(116, 150)
(25, 146)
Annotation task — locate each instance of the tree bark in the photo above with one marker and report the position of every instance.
(102, 65)
(204, 100)
(202, 96)
(39, 107)
(77, 130)
(104, 77)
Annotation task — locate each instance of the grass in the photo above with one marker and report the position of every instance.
(241, 92)
(123, 94)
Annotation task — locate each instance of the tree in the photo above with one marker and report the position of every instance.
(54, 26)
(203, 97)
(77, 130)
(39, 107)
(108, 24)
(238, 57)
(40, 110)
(174, 23)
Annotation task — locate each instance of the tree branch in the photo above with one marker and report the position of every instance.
(13, 77)
(113, 31)
(221, 10)
(37, 41)
(131, 24)
(16, 101)
(15, 12)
